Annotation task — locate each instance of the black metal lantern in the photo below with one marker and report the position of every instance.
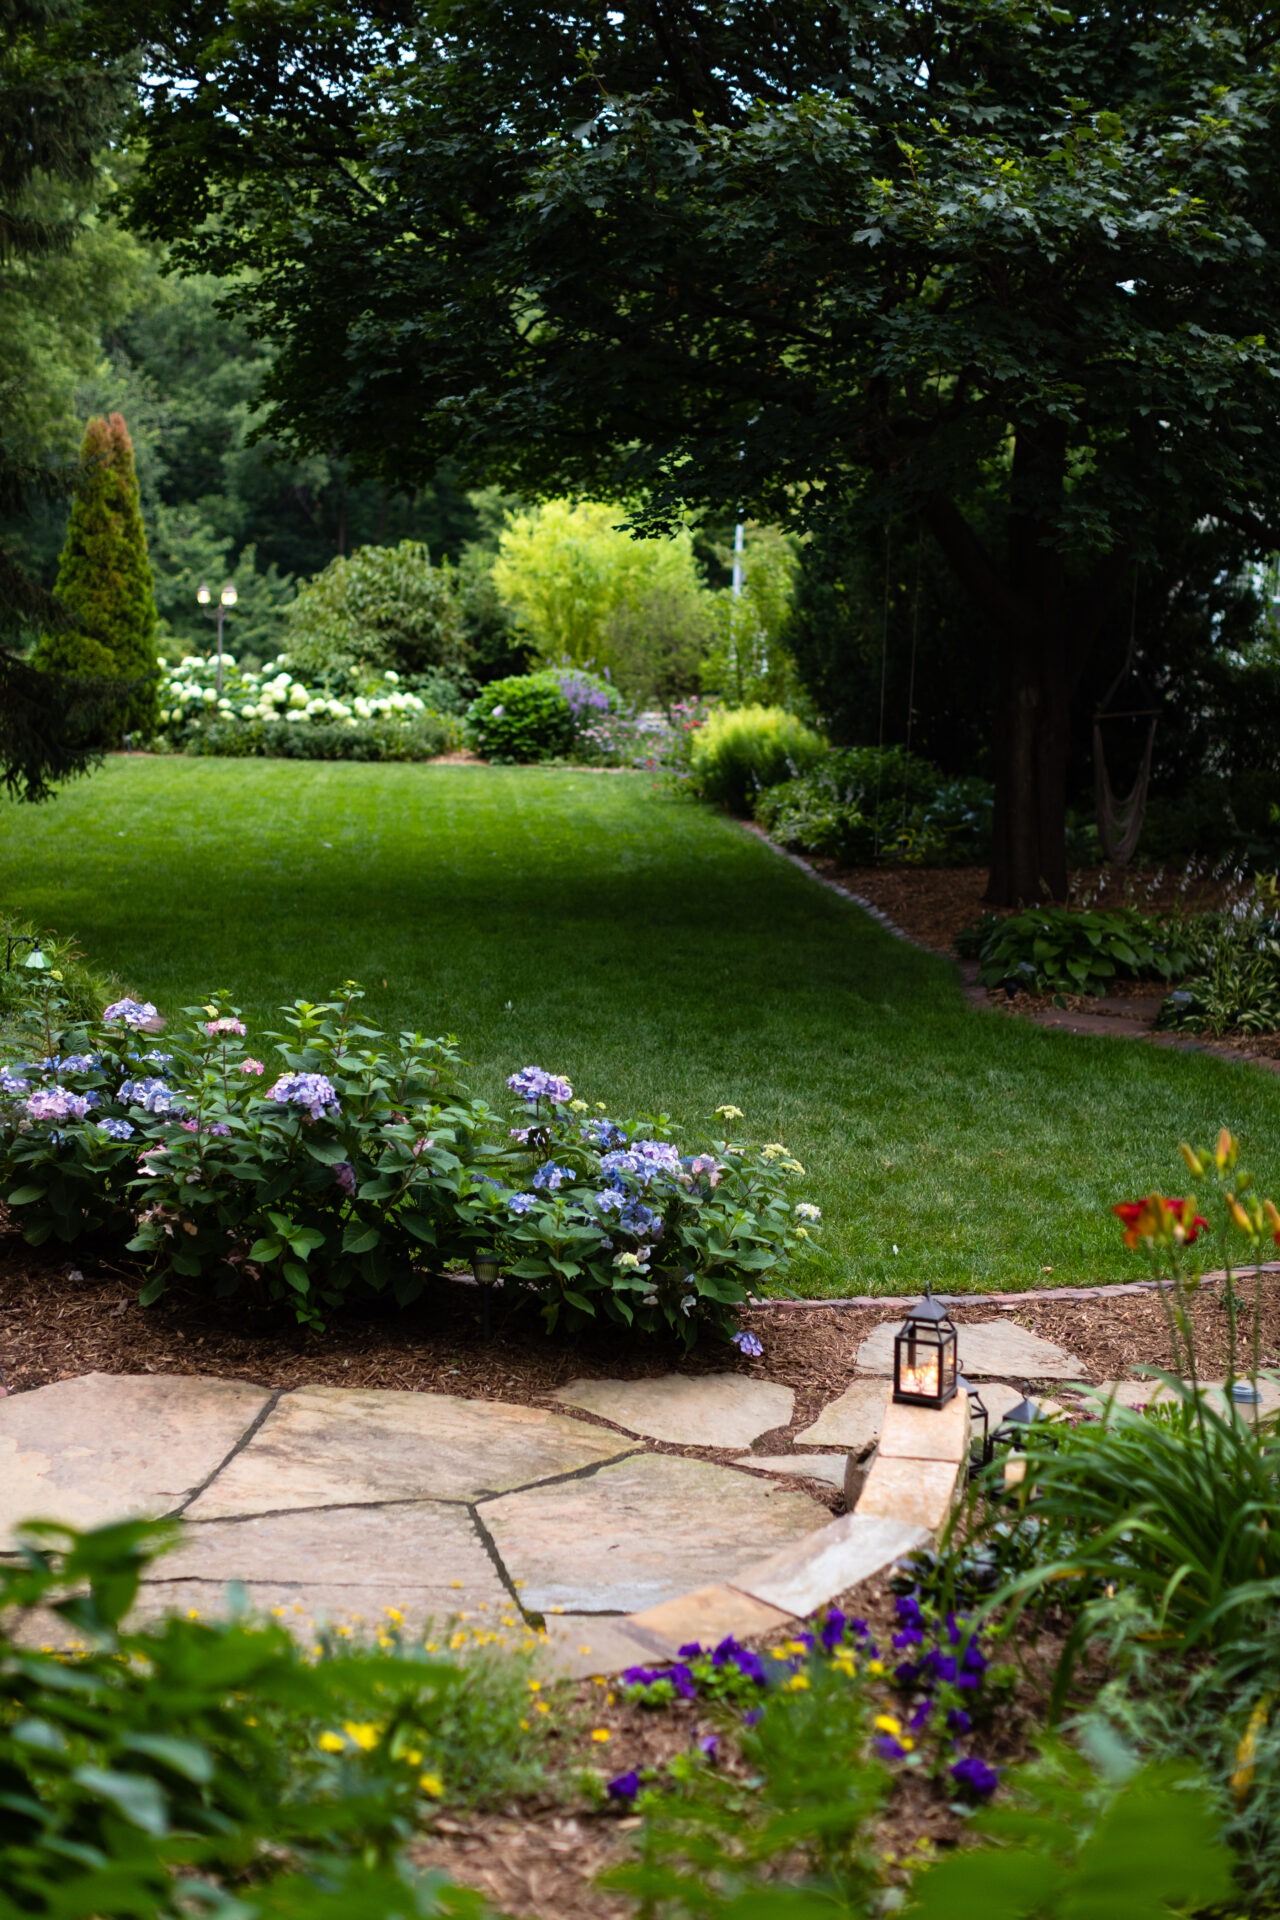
(980, 1447)
(924, 1357)
(1013, 1428)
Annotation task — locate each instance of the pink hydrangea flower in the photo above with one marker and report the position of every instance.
(251, 1066)
(226, 1024)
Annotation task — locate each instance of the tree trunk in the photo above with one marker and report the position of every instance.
(1043, 633)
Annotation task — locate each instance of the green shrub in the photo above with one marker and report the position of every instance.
(366, 1167)
(273, 712)
(105, 583)
(376, 608)
(863, 804)
(154, 1770)
(1057, 950)
(538, 716)
(739, 750)
(37, 957)
(1232, 984)
(422, 738)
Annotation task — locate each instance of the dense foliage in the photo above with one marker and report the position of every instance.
(562, 713)
(381, 608)
(737, 751)
(150, 1770)
(1057, 950)
(366, 1166)
(866, 804)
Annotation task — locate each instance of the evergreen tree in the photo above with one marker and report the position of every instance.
(104, 579)
(58, 105)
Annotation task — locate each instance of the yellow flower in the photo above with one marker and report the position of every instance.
(526, 1726)
(432, 1785)
(364, 1732)
(1246, 1752)
(394, 1615)
(875, 1666)
(331, 1743)
(540, 1706)
(1195, 1165)
(798, 1683)
(600, 1735)
(885, 1723)
(579, 1106)
(535, 1686)
(730, 1113)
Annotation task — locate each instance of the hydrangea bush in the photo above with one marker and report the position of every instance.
(275, 710)
(353, 1163)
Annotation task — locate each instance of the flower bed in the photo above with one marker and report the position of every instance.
(359, 1165)
(274, 712)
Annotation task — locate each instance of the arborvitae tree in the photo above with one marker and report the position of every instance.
(104, 579)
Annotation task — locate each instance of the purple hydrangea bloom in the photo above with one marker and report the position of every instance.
(345, 1176)
(73, 1063)
(609, 1199)
(152, 1095)
(57, 1103)
(625, 1786)
(975, 1776)
(129, 1013)
(534, 1083)
(603, 1134)
(310, 1091)
(11, 1082)
(521, 1202)
(748, 1344)
(117, 1129)
(645, 1159)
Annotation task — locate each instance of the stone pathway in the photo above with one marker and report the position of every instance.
(333, 1505)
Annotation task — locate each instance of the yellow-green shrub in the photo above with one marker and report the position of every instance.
(742, 749)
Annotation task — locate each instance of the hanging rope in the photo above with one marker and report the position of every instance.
(915, 634)
(1120, 821)
(884, 669)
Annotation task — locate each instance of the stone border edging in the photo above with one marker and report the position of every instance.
(1118, 1288)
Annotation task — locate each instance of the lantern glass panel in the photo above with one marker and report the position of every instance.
(924, 1361)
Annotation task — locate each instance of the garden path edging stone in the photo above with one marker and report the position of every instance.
(689, 1410)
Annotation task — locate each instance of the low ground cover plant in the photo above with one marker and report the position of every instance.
(869, 804)
(1232, 981)
(357, 1164)
(276, 712)
(1061, 950)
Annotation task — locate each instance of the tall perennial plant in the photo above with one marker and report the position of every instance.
(356, 1163)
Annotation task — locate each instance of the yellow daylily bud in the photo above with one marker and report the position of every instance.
(1226, 1152)
(1239, 1217)
(1194, 1162)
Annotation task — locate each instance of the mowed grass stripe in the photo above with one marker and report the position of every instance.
(662, 958)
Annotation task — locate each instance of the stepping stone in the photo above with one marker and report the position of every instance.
(706, 1617)
(1145, 1393)
(640, 1531)
(990, 1349)
(691, 1410)
(828, 1467)
(426, 1558)
(917, 1493)
(336, 1446)
(110, 1447)
(853, 1420)
(805, 1576)
(579, 1645)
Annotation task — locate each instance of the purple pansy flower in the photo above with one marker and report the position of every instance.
(975, 1776)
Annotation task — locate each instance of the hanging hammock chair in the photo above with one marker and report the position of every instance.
(1120, 821)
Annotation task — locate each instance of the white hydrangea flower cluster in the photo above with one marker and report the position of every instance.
(189, 693)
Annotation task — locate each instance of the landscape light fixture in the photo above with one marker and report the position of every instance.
(980, 1448)
(925, 1371)
(226, 599)
(486, 1268)
(1013, 1428)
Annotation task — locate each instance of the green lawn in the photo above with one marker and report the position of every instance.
(662, 958)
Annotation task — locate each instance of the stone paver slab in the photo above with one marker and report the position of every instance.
(807, 1575)
(110, 1447)
(853, 1420)
(989, 1349)
(828, 1467)
(640, 1531)
(335, 1446)
(1150, 1392)
(690, 1410)
(580, 1645)
(354, 1612)
(916, 1492)
(927, 1433)
(423, 1543)
(706, 1616)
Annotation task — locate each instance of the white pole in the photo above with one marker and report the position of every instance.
(739, 537)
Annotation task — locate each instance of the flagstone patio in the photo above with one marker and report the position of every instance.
(614, 1533)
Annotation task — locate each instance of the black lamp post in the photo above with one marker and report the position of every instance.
(924, 1357)
(227, 598)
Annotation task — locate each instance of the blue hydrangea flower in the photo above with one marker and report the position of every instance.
(57, 1103)
(116, 1129)
(11, 1082)
(311, 1091)
(603, 1134)
(521, 1202)
(129, 1013)
(645, 1160)
(748, 1344)
(550, 1176)
(73, 1063)
(152, 1095)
